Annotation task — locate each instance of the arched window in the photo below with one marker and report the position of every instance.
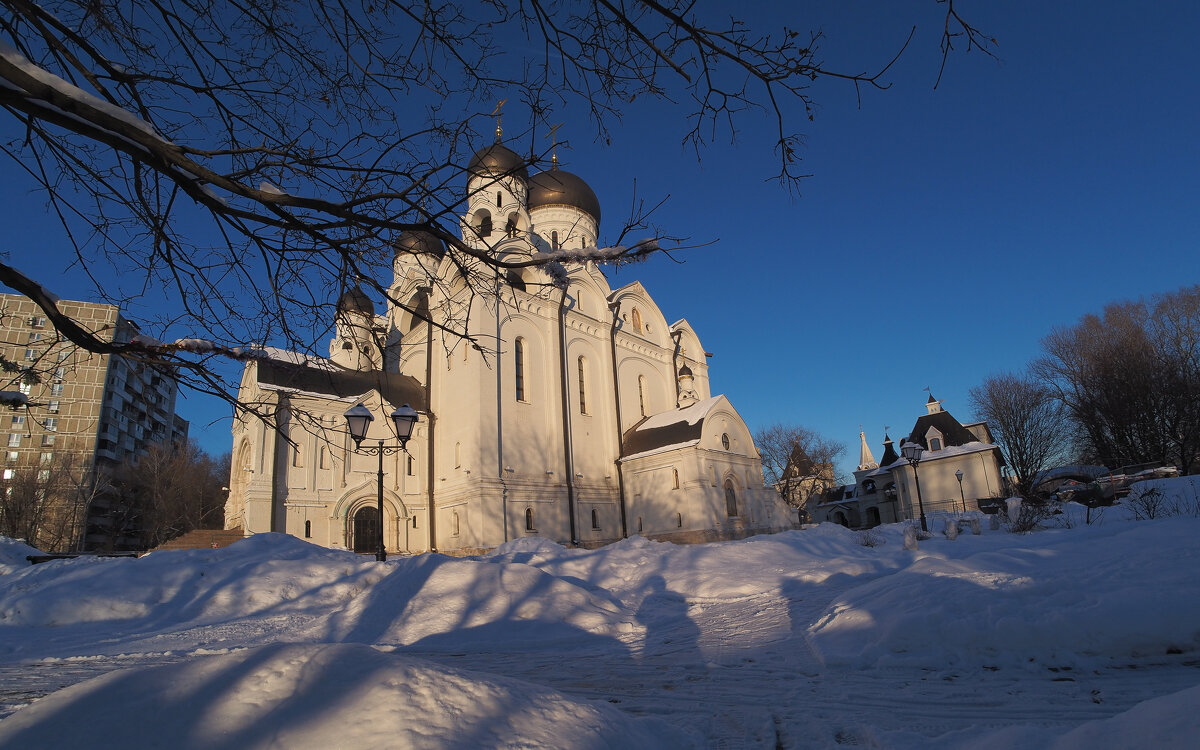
(679, 520)
(485, 225)
(323, 459)
(410, 466)
(554, 240)
(454, 524)
(725, 441)
(308, 529)
(595, 519)
(529, 519)
(457, 455)
(297, 456)
(637, 320)
(511, 226)
(642, 394)
(582, 386)
(869, 487)
(731, 509)
(675, 478)
(519, 368)
(514, 279)
(499, 199)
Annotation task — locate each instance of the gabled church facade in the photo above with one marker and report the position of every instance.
(590, 418)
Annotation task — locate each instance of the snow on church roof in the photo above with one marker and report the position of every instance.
(678, 428)
(303, 374)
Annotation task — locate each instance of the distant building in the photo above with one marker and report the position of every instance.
(885, 492)
(593, 421)
(87, 412)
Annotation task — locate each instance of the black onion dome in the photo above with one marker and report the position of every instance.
(419, 243)
(355, 301)
(559, 188)
(685, 371)
(497, 160)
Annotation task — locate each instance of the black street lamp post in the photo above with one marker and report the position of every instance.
(358, 419)
(959, 475)
(912, 453)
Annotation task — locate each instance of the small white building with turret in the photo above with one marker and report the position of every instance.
(586, 418)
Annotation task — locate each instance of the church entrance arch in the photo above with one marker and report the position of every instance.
(365, 530)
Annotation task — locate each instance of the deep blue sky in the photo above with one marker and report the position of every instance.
(942, 234)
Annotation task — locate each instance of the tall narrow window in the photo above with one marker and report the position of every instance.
(529, 519)
(554, 240)
(323, 458)
(455, 524)
(308, 529)
(519, 368)
(725, 441)
(730, 499)
(485, 226)
(595, 519)
(410, 468)
(499, 199)
(637, 320)
(582, 387)
(642, 394)
(297, 456)
(457, 455)
(675, 478)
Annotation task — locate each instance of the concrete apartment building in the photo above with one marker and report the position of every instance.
(87, 412)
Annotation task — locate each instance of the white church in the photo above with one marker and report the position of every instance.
(586, 417)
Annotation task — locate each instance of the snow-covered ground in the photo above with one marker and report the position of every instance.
(1072, 637)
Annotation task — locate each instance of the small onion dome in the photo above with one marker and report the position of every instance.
(559, 188)
(355, 301)
(497, 160)
(685, 371)
(419, 243)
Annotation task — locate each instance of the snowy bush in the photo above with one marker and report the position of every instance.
(951, 529)
(1148, 503)
(976, 526)
(910, 538)
(870, 538)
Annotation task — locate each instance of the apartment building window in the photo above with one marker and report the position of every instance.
(56, 389)
(18, 420)
(47, 457)
(14, 440)
(30, 355)
(13, 456)
(43, 475)
(26, 388)
(52, 407)
(47, 440)
(59, 372)
(51, 424)
(35, 337)
(8, 474)
(37, 322)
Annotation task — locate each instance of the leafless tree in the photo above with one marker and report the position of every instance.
(1028, 421)
(1130, 379)
(245, 159)
(798, 462)
(46, 504)
(169, 491)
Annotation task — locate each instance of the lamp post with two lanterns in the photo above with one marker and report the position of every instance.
(912, 453)
(358, 419)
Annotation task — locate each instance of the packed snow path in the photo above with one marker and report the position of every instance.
(799, 640)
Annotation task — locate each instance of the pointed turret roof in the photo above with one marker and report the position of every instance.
(889, 453)
(865, 459)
